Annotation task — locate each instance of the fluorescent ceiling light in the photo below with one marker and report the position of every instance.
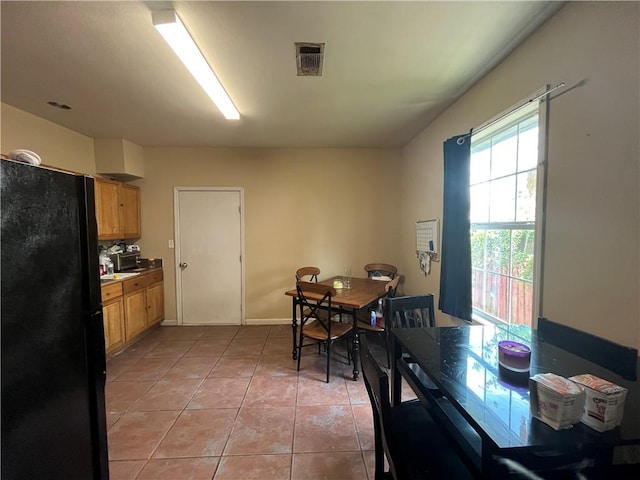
(176, 35)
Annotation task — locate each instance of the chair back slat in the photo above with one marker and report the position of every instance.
(380, 269)
(410, 311)
(311, 272)
(392, 286)
(612, 356)
(319, 301)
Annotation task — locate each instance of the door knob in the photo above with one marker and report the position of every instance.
(183, 265)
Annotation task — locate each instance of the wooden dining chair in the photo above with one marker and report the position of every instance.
(309, 274)
(414, 444)
(381, 270)
(316, 323)
(364, 316)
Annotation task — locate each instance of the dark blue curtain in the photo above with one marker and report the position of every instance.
(455, 275)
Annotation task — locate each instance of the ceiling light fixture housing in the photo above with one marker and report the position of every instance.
(176, 35)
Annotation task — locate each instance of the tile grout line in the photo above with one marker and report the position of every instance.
(222, 455)
(262, 354)
(177, 416)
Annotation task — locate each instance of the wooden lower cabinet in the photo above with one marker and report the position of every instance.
(131, 307)
(114, 333)
(135, 313)
(155, 303)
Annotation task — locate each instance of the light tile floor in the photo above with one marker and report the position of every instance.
(227, 403)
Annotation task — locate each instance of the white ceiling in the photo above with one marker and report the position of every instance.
(390, 67)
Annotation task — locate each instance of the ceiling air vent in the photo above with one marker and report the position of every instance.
(309, 59)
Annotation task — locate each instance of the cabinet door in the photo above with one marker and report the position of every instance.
(107, 209)
(155, 303)
(113, 315)
(130, 211)
(135, 312)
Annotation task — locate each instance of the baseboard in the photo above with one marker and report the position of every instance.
(248, 321)
(268, 321)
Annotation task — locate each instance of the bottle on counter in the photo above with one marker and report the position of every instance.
(103, 262)
(109, 266)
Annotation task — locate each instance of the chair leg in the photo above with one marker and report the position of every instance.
(328, 358)
(379, 473)
(299, 347)
(385, 338)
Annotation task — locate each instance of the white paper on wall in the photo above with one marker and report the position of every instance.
(427, 242)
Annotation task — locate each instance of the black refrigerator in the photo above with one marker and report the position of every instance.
(53, 354)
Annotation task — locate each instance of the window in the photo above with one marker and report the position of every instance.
(505, 183)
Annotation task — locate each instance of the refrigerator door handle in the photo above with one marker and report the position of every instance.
(95, 344)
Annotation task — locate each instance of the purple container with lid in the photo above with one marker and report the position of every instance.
(514, 356)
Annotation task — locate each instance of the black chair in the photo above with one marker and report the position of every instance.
(410, 312)
(415, 446)
(314, 300)
(612, 356)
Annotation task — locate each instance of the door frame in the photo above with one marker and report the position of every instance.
(176, 217)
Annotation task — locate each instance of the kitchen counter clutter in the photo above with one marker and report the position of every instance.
(117, 276)
(131, 305)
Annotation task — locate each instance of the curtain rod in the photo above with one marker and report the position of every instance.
(460, 140)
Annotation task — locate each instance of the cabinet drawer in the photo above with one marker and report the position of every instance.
(154, 277)
(133, 284)
(111, 291)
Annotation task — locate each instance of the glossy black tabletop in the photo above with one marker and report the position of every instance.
(463, 363)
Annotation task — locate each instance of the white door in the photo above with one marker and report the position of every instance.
(209, 255)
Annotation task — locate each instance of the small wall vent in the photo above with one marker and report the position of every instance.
(309, 59)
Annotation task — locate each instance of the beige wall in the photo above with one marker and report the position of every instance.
(592, 246)
(302, 207)
(57, 146)
(592, 260)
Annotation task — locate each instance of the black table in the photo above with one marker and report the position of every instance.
(486, 408)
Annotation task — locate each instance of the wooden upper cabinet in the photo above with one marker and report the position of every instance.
(130, 211)
(107, 209)
(117, 210)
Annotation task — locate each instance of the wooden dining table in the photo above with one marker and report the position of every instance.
(363, 292)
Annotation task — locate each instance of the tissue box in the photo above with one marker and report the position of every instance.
(555, 400)
(604, 403)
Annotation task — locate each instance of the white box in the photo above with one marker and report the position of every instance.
(555, 400)
(604, 404)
